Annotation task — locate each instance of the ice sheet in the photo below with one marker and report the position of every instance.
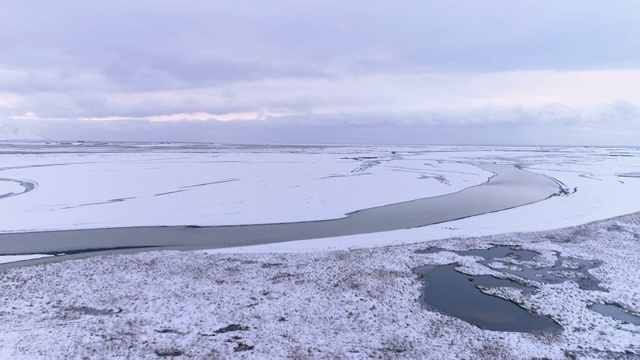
(9, 187)
(218, 187)
(595, 192)
(15, 258)
(88, 185)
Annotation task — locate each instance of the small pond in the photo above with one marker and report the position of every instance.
(615, 312)
(453, 293)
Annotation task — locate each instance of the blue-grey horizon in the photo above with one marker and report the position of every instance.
(439, 72)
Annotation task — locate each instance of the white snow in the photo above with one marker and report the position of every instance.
(89, 190)
(347, 297)
(600, 194)
(87, 186)
(13, 258)
(335, 304)
(9, 187)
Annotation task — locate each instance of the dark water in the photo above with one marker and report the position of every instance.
(489, 254)
(27, 186)
(615, 312)
(565, 268)
(511, 187)
(455, 294)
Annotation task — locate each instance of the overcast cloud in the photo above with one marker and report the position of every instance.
(494, 72)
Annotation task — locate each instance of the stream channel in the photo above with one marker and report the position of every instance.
(508, 188)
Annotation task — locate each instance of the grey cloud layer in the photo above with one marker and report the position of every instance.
(151, 45)
(504, 126)
(330, 64)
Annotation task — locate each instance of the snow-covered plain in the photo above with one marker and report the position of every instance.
(360, 303)
(15, 258)
(347, 297)
(8, 188)
(217, 185)
(590, 174)
(118, 185)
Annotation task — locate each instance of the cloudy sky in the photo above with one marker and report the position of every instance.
(331, 71)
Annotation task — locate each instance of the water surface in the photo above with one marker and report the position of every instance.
(452, 293)
(510, 187)
(615, 312)
(459, 295)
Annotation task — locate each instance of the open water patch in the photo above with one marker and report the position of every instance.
(456, 294)
(27, 186)
(615, 312)
(509, 260)
(508, 188)
(453, 293)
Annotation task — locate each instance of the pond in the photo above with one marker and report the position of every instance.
(452, 293)
(456, 294)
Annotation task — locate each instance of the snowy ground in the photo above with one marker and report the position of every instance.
(590, 174)
(106, 185)
(216, 185)
(348, 297)
(360, 303)
(14, 258)
(8, 188)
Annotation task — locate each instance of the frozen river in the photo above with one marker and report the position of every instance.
(509, 187)
(86, 199)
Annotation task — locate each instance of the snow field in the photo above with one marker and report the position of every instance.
(347, 297)
(358, 303)
(89, 190)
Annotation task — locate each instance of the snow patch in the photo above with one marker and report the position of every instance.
(13, 258)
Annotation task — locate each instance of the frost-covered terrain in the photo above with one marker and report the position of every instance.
(347, 297)
(81, 185)
(330, 304)
(116, 186)
(14, 258)
(591, 176)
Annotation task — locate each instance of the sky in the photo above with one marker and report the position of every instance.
(333, 71)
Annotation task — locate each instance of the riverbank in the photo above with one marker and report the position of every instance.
(350, 296)
(357, 303)
(510, 187)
